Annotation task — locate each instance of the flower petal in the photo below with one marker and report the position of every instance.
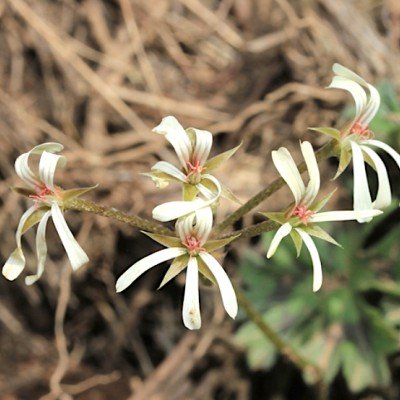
(204, 187)
(283, 231)
(41, 249)
(329, 216)
(203, 145)
(191, 303)
(384, 195)
(362, 196)
(313, 173)
(225, 286)
(372, 107)
(355, 89)
(287, 168)
(75, 253)
(204, 222)
(176, 209)
(143, 265)
(392, 152)
(176, 135)
(169, 169)
(47, 167)
(340, 70)
(316, 261)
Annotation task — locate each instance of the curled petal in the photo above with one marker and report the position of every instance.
(143, 265)
(283, 231)
(204, 187)
(75, 253)
(372, 107)
(41, 249)
(170, 170)
(204, 221)
(392, 152)
(176, 135)
(384, 195)
(287, 168)
(362, 196)
(203, 145)
(344, 72)
(191, 304)
(317, 268)
(313, 173)
(225, 286)
(47, 167)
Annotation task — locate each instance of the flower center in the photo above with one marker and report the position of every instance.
(194, 172)
(303, 213)
(41, 193)
(363, 132)
(193, 245)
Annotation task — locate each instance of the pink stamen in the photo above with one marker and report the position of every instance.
(193, 245)
(303, 213)
(195, 167)
(362, 131)
(41, 193)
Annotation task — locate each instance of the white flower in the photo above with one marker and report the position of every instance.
(357, 141)
(299, 221)
(47, 199)
(189, 250)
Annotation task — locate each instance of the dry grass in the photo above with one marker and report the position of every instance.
(97, 75)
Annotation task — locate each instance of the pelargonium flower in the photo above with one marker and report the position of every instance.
(357, 141)
(190, 251)
(300, 220)
(48, 202)
(192, 147)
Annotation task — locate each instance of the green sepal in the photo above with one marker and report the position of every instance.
(228, 194)
(209, 184)
(216, 161)
(297, 241)
(23, 191)
(212, 245)
(278, 217)
(344, 161)
(74, 193)
(318, 232)
(34, 218)
(320, 204)
(167, 241)
(177, 266)
(189, 192)
(325, 130)
(205, 271)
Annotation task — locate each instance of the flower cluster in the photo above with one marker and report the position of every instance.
(191, 246)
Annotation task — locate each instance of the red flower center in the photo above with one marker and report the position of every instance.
(195, 167)
(303, 213)
(193, 245)
(362, 131)
(41, 193)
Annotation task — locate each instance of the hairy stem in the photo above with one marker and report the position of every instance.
(324, 152)
(132, 220)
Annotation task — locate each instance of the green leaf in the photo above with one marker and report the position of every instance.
(228, 194)
(177, 266)
(74, 193)
(205, 271)
(332, 132)
(297, 240)
(278, 217)
(34, 218)
(320, 204)
(212, 245)
(317, 231)
(344, 161)
(167, 241)
(216, 161)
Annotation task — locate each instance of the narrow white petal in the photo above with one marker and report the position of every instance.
(22, 162)
(372, 106)
(317, 268)
(392, 152)
(354, 88)
(184, 226)
(340, 70)
(25, 216)
(328, 216)
(283, 231)
(47, 167)
(143, 265)
(75, 253)
(176, 209)
(191, 303)
(208, 193)
(225, 286)
(204, 222)
(41, 249)
(313, 172)
(384, 195)
(176, 135)
(203, 145)
(286, 166)
(362, 196)
(169, 169)
(14, 265)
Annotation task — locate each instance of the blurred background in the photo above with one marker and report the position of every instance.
(96, 76)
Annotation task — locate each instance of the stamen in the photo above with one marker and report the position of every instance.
(362, 131)
(195, 167)
(303, 213)
(193, 245)
(41, 193)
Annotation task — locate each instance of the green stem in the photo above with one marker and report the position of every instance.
(324, 152)
(132, 220)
